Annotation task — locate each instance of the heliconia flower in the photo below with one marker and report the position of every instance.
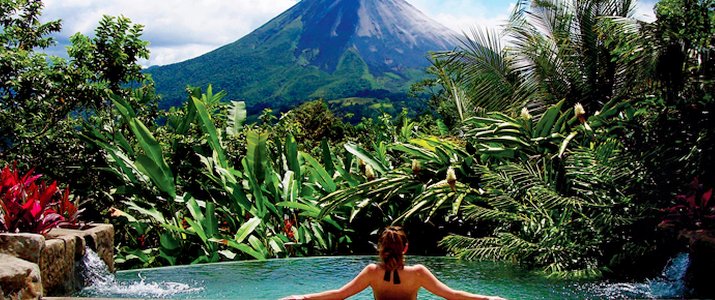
(288, 228)
(525, 114)
(451, 178)
(416, 166)
(578, 110)
(369, 172)
(581, 115)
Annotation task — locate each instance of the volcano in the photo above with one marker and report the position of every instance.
(326, 49)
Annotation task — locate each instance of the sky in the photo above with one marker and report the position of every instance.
(178, 30)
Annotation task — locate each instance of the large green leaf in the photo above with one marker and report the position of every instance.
(246, 229)
(210, 222)
(324, 179)
(256, 155)
(367, 157)
(151, 212)
(548, 119)
(236, 118)
(310, 210)
(169, 242)
(327, 156)
(162, 180)
(242, 247)
(153, 161)
(291, 154)
(209, 128)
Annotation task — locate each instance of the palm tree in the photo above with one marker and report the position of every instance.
(548, 51)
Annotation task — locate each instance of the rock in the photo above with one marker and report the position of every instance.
(702, 262)
(99, 237)
(103, 238)
(58, 265)
(54, 258)
(19, 279)
(26, 246)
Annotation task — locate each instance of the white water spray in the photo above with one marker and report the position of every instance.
(670, 284)
(98, 281)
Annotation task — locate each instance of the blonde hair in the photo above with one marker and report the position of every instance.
(391, 248)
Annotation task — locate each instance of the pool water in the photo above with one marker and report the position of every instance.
(273, 279)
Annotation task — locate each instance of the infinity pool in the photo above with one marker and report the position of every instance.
(274, 279)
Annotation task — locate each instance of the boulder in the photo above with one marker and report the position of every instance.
(58, 265)
(19, 279)
(98, 237)
(27, 246)
(54, 258)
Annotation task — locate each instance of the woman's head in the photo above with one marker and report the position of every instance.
(392, 246)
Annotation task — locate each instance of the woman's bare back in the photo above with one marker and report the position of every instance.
(407, 287)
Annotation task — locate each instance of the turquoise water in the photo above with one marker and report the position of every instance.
(274, 279)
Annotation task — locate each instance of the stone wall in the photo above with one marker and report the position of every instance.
(54, 256)
(699, 276)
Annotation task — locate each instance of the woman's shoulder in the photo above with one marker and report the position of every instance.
(418, 268)
(373, 267)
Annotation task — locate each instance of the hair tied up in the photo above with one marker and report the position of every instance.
(391, 247)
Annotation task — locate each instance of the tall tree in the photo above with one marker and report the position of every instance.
(44, 98)
(548, 51)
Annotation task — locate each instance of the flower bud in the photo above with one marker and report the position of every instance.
(416, 166)
(361, 165)
(525, 114)
(581, 115)
(369, 173)
(579, 112)
(451, 178)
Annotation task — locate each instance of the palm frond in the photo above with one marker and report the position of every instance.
(480, 213)
(473, 248)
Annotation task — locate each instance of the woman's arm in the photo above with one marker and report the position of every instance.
(359, 283)
(432, 284)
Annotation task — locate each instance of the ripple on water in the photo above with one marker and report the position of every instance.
(142, 289)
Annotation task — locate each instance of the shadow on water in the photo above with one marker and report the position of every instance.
(273, 279)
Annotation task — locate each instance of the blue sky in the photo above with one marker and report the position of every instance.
(181, 29)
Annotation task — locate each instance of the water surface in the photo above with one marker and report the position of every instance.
(273, 279)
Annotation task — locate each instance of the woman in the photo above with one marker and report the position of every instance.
(391, 279)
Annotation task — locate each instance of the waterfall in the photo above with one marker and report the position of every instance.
(98, 281)
(670, 283)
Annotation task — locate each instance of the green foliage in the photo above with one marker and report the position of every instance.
(560, 227)
(112, 53)
(262, 205)
(560, 51)
(675, 136)
(546, 188)
(44, 99)
(269, 73)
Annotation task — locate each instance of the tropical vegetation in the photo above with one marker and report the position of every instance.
(559, 143)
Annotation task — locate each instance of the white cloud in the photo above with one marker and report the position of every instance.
(176, 29)
(644, 11)
(181, 29)
(463, 15)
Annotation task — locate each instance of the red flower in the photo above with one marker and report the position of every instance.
(288, 228)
